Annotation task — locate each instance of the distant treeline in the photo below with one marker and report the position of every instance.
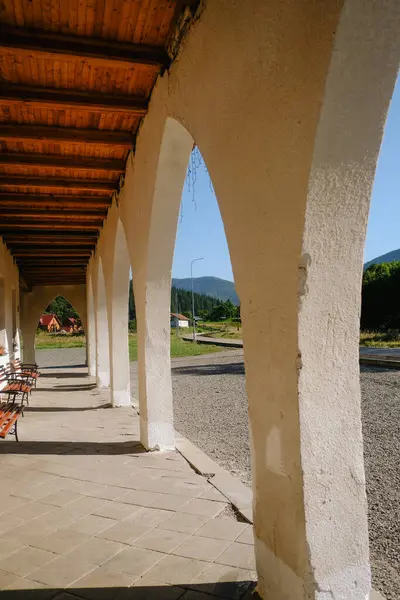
(206, 307)
(380, 310)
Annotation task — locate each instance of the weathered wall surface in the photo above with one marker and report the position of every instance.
(278, 97)
(9, 279)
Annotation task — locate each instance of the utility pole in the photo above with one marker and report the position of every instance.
(193, 315)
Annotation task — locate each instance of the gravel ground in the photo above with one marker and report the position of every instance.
(210, 407)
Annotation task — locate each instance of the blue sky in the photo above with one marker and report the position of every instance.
(201, 232)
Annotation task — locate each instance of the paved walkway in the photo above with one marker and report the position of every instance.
(86, 510)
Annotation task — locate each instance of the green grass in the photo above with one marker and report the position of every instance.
(380, 339)
(47, 341)
(179, 347)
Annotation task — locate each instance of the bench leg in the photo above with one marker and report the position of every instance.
(16, 429)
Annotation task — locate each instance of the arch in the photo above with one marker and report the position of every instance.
(119, 351)
(33, 303)
(102, 331)
(292, 174)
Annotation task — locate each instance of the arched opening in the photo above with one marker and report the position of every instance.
(103, 350)
(379, 344)
(60, 337)
(210, 401)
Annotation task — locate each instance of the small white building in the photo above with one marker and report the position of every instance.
(178, 320)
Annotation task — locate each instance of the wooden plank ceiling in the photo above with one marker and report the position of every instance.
(75, 81)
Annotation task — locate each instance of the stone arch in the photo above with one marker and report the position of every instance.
(33, 303)
(292, 164)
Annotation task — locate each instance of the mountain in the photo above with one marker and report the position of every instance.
(210, 286)
(389, 257)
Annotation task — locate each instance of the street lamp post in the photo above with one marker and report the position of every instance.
(193, 315)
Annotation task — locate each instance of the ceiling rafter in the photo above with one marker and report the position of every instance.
(84, 163)
(33, 96)
(103, 51)
(105, 185)
(46, 133)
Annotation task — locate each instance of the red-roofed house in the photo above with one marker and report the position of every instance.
(49, 322)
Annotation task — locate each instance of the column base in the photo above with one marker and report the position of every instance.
(121, 398)
(157, 436)
(103, 380)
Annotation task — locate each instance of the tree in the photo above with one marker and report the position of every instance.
(63, 309)
(380, 308)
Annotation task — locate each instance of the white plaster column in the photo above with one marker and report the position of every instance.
(150, 220)
(28, 344)
(118, 297)
(102, 336)
(290, 138)
(91, 326)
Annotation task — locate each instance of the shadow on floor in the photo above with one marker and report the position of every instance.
(62, 366)
(60, 447)
(228, 589)
(64, 375)
(212, 369)
(68, 388)
(49, 409)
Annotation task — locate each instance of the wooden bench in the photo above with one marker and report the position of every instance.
(14, 385)
(9, 415)
(30, 370)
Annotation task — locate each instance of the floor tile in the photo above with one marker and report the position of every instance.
(247, 536)
(62, 541)
(115, 510)
(7, 547)
(222, 580)
(90, 525)
(26, 560)
(102, 584)
(135, 561)
(6, 579)
(176, 570)
(201, 548)
(161, 540)
(62, 571)
(125, 532)
(238, 555)
(60, 498)
(147, 589)
(19, 588)
(207, 508)
(96, 550)
(183, 523)
(221, 529)
(150, 516)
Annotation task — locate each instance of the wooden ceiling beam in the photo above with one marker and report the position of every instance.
(24, 133)
(19, 243)
(97, 185)
(102, 51)
(50, 215)
(25, 202)
(84, 163)
(19, 224)
(49, 256)
(72, 99)
(49, 251)
(50, 236)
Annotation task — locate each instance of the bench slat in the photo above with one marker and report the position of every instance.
(13, 417)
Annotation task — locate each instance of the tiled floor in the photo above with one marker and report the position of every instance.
(86, 513)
